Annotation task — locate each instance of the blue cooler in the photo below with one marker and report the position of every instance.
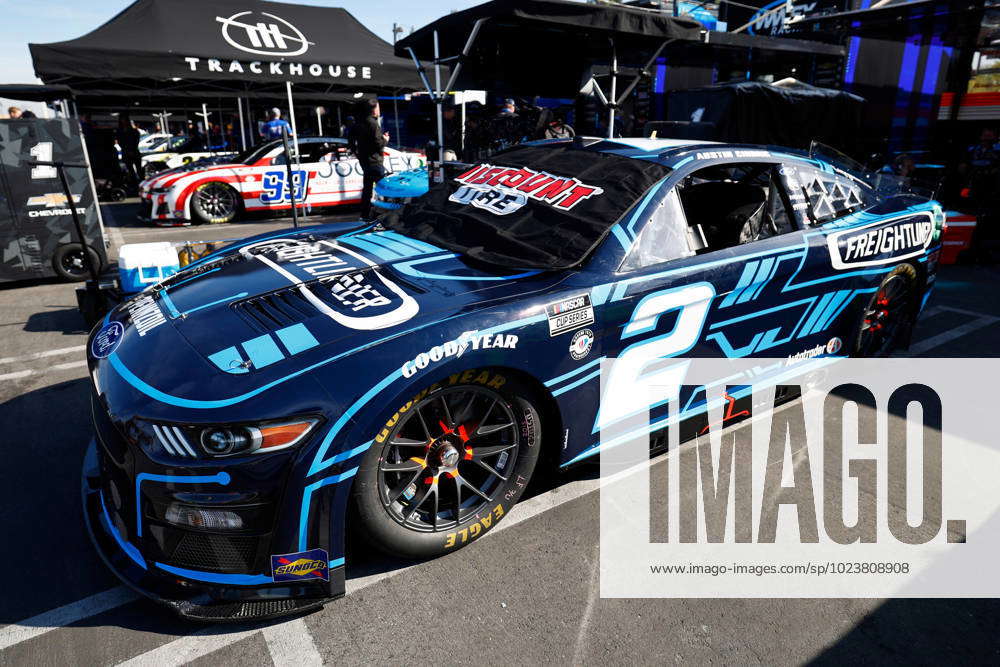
(143, 264)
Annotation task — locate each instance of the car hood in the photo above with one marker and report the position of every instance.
(273, 305)
(165, 179)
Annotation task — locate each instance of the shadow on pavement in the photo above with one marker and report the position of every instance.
(921, 631)
(69, 321)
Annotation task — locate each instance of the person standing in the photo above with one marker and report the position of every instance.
(128, 139)
(371, 142)
(272, 128)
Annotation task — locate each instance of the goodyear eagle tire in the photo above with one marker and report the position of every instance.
(214, 203)
(888, 317)
(448, 465)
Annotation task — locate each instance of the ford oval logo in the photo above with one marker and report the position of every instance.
(106, 340)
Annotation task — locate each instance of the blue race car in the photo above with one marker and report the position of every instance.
(406, 379)
(397, 190)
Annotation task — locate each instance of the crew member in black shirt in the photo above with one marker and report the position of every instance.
(370, 141)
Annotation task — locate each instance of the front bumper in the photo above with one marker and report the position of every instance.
(202, 596)
(153, 209)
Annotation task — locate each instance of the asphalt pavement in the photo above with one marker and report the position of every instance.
(526, 593)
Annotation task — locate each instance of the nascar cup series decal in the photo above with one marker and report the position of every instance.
(312, 564)
(107, 340)
(503, 190)
(342, 284)
(881, 242)
(569, 314)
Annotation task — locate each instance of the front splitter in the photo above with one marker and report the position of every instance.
(193, 599)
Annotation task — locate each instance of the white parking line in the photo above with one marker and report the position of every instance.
(946, 337)
(291, 645)
(22, 631)
(191, 647)
(42, 355)
(57, 367)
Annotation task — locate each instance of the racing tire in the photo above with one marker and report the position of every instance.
(888, 317)
(215, 203)
(448, 465)
(68, 262)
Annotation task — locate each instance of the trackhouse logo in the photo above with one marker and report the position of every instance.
(269, 36)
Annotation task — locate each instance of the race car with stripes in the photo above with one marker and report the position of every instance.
(403, 381)
(326, 173)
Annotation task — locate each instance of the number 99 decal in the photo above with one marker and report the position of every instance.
(275, 190)
(628, 378)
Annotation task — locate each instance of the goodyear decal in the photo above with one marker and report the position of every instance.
(312, 564)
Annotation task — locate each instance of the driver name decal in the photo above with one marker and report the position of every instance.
(503, 190)
(883, 242)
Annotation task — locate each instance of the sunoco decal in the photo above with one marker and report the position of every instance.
(503, 190)
(569, 314)
(312, 564)
(881, 242)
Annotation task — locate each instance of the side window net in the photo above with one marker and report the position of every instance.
(819, 197)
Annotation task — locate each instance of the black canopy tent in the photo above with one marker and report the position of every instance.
(556, 46)
(226, 49)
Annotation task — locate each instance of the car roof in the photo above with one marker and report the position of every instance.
(668, 152)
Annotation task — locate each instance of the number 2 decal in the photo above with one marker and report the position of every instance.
(274, 185)
(628, 378)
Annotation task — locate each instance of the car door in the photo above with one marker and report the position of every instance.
(755, 307)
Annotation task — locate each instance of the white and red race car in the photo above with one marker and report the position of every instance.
(326, 174)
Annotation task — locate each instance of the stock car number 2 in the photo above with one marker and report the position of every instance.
(275, 186)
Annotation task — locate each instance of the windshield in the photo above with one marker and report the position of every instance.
(255, 153)
(538, 207)
(899, 176)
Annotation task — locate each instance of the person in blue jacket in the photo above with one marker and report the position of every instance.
(272, 128)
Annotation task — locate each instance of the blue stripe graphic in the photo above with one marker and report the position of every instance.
(218, 478)
(296, 338)
(170, 304)
(263, 351)
(216, 578)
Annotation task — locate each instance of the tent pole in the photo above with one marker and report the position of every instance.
(439, 100)
(614, 89)
(340, 121)
(319, 123)
(204, 120)
(291, 113)
(243, 136)
(463, 124)
(395, 114)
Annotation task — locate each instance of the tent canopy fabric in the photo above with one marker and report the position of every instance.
(553, 45)
(233, 44)
(760, 113)
(32, 92)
